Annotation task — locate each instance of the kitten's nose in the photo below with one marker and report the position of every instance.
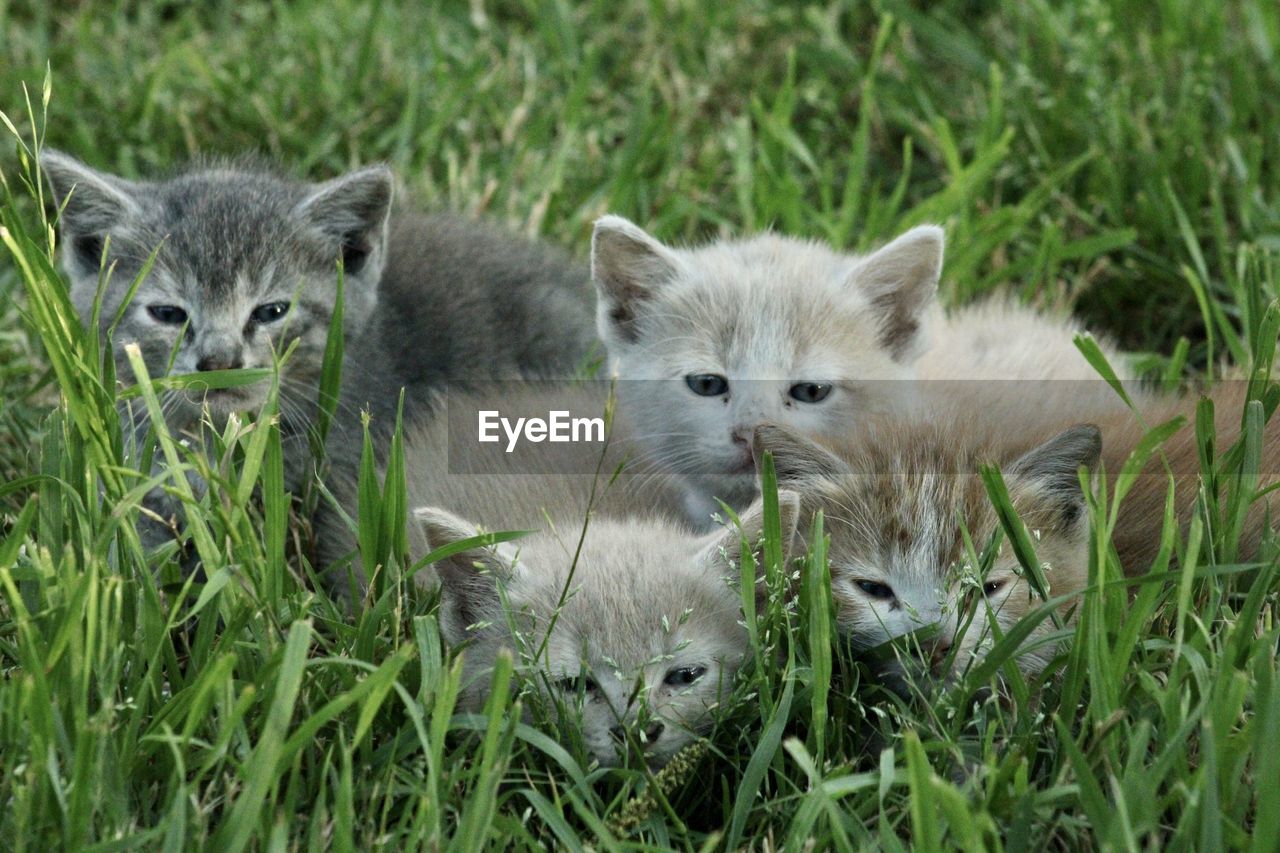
(741, 436)
(221, 361)
(939, 649)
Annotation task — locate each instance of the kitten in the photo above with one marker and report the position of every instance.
(894, 500)
(772, 329)
(246, 266)
(893, 496)
(1012, 413)
(650, 634)
(465, 303)
(647, 643)
(1136, 536)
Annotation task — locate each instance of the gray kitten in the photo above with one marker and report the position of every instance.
(247, 264)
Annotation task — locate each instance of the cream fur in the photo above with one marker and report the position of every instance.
(648, 599)
(999, 339)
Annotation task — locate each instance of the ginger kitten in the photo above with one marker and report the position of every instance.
(894, 495)
(894, 501)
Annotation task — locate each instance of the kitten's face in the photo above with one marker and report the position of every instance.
(894, 506)
(646, 645)
(246, 266)
(769, 330)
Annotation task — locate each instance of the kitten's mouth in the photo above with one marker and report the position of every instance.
(225, 397)
(738, 466)
(224, 401)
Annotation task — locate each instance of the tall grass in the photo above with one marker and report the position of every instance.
(1115, 155)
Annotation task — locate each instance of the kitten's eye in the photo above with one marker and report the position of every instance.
(684, 676)
(876, 589)
(170, 315)
(270, 312)
(992, 587)
(576, 684)
(707, 384)
(810, 392)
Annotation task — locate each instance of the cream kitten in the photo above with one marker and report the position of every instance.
(649, 636)
(647, 642)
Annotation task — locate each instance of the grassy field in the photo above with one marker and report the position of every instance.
(1118, 157)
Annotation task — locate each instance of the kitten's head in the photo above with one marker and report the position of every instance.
(894, 502)
(770, 329)
(646, 644)
(246, 263)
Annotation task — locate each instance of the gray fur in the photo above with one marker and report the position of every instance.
(462, 302)
(1053, 468)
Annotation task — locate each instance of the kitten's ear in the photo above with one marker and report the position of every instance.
(628, 267)
(901, 279)
(798, 461)
(725, 551)
(469, 578)
(353, 210)
(1045, 483)
(95, 204)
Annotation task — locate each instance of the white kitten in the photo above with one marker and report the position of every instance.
(770, 329)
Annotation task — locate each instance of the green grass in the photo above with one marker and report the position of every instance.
(1118, 157)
